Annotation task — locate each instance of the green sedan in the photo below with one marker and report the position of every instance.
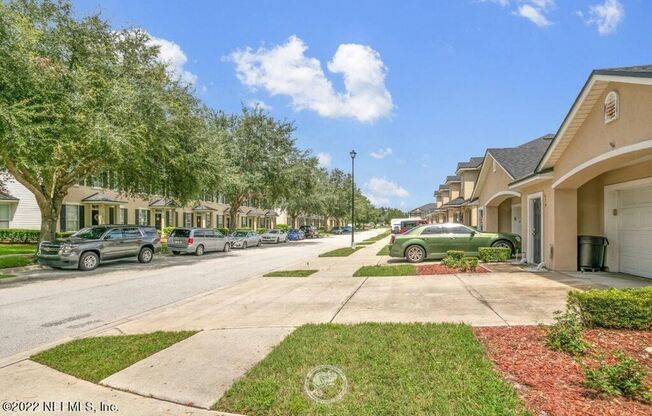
(434, 240)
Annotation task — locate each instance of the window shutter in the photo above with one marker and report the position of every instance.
(137, 216)
(148, 216)
(62, 219)
(82, 220)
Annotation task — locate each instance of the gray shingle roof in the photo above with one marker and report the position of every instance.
(472, 163)
(522, 160)
(443, 187)
(100, 197)
(427, 208)
(452, 178)
(7, 197)
(631, 71)
(454, 203)
(163, 203)
(202, 208)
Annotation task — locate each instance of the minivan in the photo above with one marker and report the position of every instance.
(197, 241)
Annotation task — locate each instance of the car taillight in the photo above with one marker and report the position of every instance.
(190, 240)
(392, 239)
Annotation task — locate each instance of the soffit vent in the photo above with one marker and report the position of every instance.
(611, 107)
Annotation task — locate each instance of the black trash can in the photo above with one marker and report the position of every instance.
(591, 252)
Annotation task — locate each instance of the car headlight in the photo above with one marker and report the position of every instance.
(66, 249)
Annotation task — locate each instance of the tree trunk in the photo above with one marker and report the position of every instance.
(49, 216)
(233, 214)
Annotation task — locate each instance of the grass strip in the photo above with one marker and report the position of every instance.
(6, 276)
(17, 249)
(397, 270)
(392, 369)
(18, 260)
(94, 359)
(291, 273)
(383, 251)
(340, 252)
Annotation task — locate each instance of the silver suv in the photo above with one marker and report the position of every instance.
(197, 241)
(86, 248)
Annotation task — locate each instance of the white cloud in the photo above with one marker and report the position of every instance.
(377, 201)
(382, 153)
(533, 14)
(253, 103)
(324, 159)
(606, 16)
(286, 70)
(533, 10)
(175, 59)
(384, 188)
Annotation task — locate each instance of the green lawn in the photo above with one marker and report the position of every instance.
(6, 276)
(340, 252)
(291, 273)
(392, 369)
(17, 249)
(397, 270)
(17, 260)
(383, 251)
(94, 359)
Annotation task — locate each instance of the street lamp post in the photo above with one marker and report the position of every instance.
(352, 153)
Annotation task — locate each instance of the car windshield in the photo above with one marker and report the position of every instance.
(180, 233)
(91, 233)
(239, 234)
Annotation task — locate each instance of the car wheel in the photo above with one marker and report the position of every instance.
(227, 248)
(277, 241)
(88, 261)
(200, 250)
(146, 255)
(259, 243)
(503, 244)
(415, 254)
(244, 245)
(176, 253)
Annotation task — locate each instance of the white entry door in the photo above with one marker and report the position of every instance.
(635, 231)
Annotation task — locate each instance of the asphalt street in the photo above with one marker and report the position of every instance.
(54, 304)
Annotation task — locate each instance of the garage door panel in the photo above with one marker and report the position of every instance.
(635, 231)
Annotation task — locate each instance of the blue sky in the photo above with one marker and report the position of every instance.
(420, 85)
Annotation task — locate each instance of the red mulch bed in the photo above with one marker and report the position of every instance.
(429, 269)
(551, 382)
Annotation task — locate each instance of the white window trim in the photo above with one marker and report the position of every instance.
(530, 237)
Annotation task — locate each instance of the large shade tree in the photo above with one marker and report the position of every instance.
(259, 155)
(78, 97)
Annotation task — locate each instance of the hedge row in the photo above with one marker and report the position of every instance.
(613, 308)
(25, 235)
(494, 254)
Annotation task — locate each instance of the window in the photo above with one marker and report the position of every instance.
(220, 221)
(209, 220)
(494, 165)
(187, 219)
(142, 216)
(131, 232)
(611, 107)
(72, 217)
(458, 229)
(114, 234)
(199, 234)
(5, 212)
(123, 216)
(432, 230)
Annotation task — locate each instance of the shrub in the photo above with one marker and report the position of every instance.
(283, 227)
(457, 255)
(494, 254)
(566, 334)
(243, 229)
(65, 234)
(468, 264)
(19, 235)
(224, 231)
(613, 308)
(167, 231)
(626, 377)
(449, 261)
(261, 230)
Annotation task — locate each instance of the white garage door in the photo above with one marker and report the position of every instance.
(635, 231)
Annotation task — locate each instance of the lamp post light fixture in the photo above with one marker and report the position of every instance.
(353, 153)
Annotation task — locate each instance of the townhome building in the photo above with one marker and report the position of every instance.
(468, 172)
(93, 203)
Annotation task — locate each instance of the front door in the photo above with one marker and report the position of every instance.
(95, 216)
(112, 215)
(198, 219)
(535, 226)
(157, 220)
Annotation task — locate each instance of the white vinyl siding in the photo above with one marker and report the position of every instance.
(26, 213)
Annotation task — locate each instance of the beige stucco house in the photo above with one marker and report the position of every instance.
(596, 177)
(468, 173)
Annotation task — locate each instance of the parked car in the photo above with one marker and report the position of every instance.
(244, 239)
(336, 230)
(310, 231)
(274, 236)
(294, 235)
(346, 230)
(197, 241)
(88, 247)
(407, 225)
(433, 241)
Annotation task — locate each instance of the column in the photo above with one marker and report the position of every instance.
(491, 218)
(560, 249)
